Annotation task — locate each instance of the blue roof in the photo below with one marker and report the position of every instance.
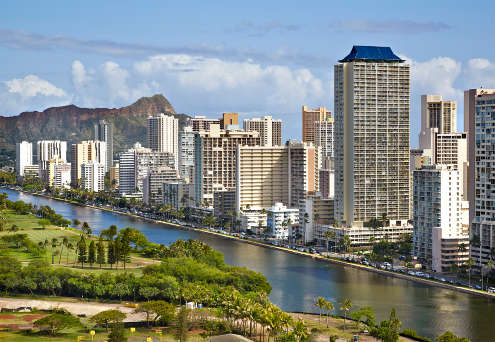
(371, 53)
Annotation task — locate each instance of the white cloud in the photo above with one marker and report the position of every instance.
(480, 72)
(32, 85)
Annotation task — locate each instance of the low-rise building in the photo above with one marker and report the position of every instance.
(114, 176)
(314, 211)
(224, 205)
(253, 220)
(31, 171)
(178, 194)
(279, 218)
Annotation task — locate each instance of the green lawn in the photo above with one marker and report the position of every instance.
(29, 225)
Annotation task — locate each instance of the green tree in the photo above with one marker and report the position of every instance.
(320, 304)
(450, 337)
(100, 252)
(43, 223)
(81, 251)
(328, 307)
(157, 311)
(76, 222)
(117, 334)
(110, 253)
(469, 264)
(107, 317)
(181, 324)
(57, 322)
(346, 308)
(91, 253)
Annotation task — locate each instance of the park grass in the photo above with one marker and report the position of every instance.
(29, 225)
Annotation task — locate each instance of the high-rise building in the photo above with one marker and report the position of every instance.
(304, 163)
(323, 136)
(24, 156)
(93, 175)
(86, 151)
(163, 135)
(327, 183)
(309, 117)
(186, 154)
(229, 121)
(62, 177)
(201, 123)
(451, 149)
(224, 205)
(470, 126)
(135, 165)
(104, 132)
(262, 176)
(48, 173)
(270, 130)
(266, 175)
(371, 137)
(440, 217)
(114, 175)
(152, 183)
(48, 150)
(215, 168)
(436, 113)
(483, 224)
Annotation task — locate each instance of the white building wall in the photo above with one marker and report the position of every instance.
(24, 156)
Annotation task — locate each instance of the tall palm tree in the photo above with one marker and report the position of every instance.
(489, 264)
(320, 304)
(346, 308)
(329, 235)
(328, 307)
(65, 241)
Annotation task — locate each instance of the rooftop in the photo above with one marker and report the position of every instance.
(371, 54)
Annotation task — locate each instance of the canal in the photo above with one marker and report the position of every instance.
(297, 280)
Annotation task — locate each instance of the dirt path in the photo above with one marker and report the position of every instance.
(77, 308)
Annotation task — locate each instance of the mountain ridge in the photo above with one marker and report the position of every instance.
(73, 123)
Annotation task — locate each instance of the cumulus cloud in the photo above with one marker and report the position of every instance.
(387, 26)
(480, 72)
(32, 85)
(29, 93)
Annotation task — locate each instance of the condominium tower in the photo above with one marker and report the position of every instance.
(93, 176)
(309, 117)
(215, 168)
(86, 151)
(163, 134)
(270, 130)
(186, 154)
(470, 126)
(371, 136)
(24, 156)
(483, 224)
(104, 132)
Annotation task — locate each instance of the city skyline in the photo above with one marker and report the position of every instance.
(84, 62)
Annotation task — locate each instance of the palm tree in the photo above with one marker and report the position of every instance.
(320, 304)
(489, 264)
(346, 307)
(469, 264)
(328, 307)
(329, 235)
(65, 241)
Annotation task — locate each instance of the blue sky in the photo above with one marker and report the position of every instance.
(256, 57)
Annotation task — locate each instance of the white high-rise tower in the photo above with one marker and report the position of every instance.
(163, 135)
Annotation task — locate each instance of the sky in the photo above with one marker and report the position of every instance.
(252, 57)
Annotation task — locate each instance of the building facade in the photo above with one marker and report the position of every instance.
(309, 117)
(152, 183)
(104, 132)
(93, 175)
(50, 150)
(440, 217)
(24, 156)
(327, 185)
(62, 176)
(162, 134)
(323, 136)
(270, 130)
(84, 152)
(304, 163)
(186, 154)
(314, 211)
(483, 224)
(178, 194)
(279, 218)
(371, 137)
(114, 175)
(215, 160)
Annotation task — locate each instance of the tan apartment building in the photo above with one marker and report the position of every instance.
(309, 117)
(152, 183)
(229, 120)
(215, 159)
(270, 130)
(83, 152)
(276, 174)
(315, 212)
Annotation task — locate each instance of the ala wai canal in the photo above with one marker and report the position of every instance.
(297, 280)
